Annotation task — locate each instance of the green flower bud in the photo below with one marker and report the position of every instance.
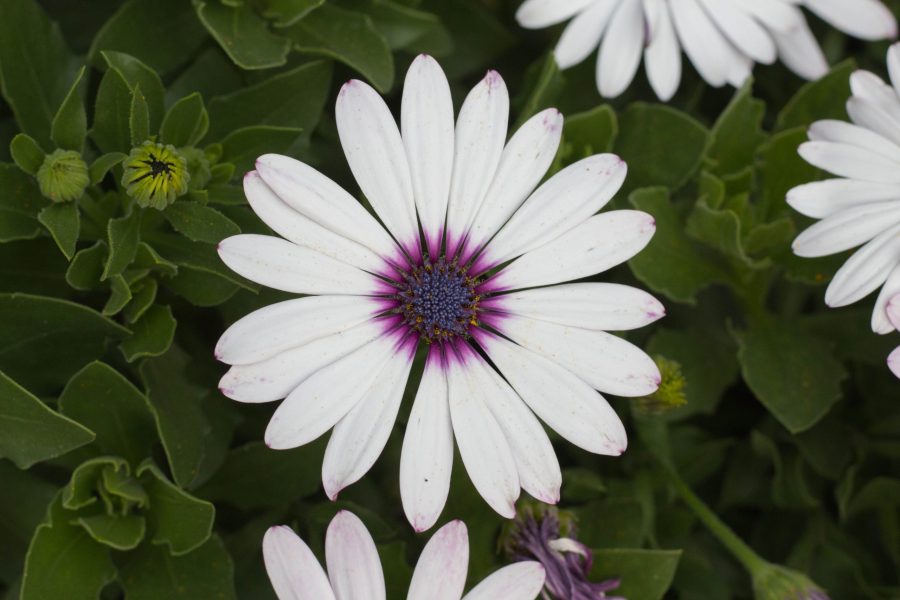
(197, 166)
(155, 174)
(774, 582)
(671, 391)
(63, 176)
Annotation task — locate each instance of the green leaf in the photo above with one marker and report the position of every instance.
(101, 166)
(30, 431)
(181, 421)
(138, 75)
(243, 146)
(164, 34)
(348, 37)
(672, 263)
(200, 223)
(65, 335)
(143, 295)
(124, 236)
(33, 267)
(26, 153)
(661, 145)
(288, 12)
(479, 37)
(86, 267)
(20, 203)
(64, 561)
(783, 169)
(35, 67)
(721, 230)
(708, 363)
(294, 98)
(69, 127)
(243, 35)
(825, 98)
(148, 258)
(24, 498)
(621, 525)
(112, 112)
(255, 476)
(175, 518)
(102, 399)
(644, 574)
(139, 119)
(588, 133)
(737, 134)
(63, 221)
(120, 532)
(788, 486)
(83, 488)
(186, 122)
(794, 374)
(153, 334)
(878, 494)
(119, 296)
(151, 573)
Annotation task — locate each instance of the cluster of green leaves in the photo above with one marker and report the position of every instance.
(123, 471)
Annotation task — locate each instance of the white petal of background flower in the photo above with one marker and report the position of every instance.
(521, 581)
(354, 568)
(292, 567)
(440, 573)
(722, 38)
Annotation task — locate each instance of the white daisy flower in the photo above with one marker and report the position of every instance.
(722, 38)
(480, 283)
(354, 569)
(861, 207)
(893, 313)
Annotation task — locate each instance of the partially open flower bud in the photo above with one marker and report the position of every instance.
(774, 582)
(670, 393)
(63, 176)
(155, 174)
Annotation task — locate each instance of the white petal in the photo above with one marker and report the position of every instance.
(518, 581)
(427, 124)
(275, 377)
(328, 394)
(893, 61)
(607, 362)
(881, 319)
(894, 362)
(562, 202)
(352, 558)
(851, 161)
(562, 400)
(866, 270)
(292, 567)
(523, 164)
(799, 50)
(847, 229)
(295, 227)
(483, 447)
(893, 311)
(441, 571)
(742, 30)
(821, 199)
(278, 264)
(620, 51)
(359, 437)
(426, 459)
(537, 14)
(582, 35)
(775, 15)
(480, 136)
(596, 245)
(854, 135)
(702, 41)
(321, 200)
(662, 57)
(375, 152)
(869, 86)
(604, 306)
(536, 462)
(869, 114)
(864, 19)
(284, 325)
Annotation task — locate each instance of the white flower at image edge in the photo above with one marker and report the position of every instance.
(722, 38)
(861, 206)
(354, 569)
(893, 312)
(342, 356)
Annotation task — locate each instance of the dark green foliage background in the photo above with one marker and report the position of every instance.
(126, 473)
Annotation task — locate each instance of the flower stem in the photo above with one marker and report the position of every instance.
(741, 551)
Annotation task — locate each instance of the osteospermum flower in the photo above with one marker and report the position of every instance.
(342, 357)
(861, 207)
(722, 38)
(354, 569)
